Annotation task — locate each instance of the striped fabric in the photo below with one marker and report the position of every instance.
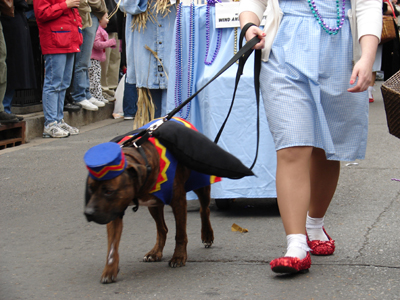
(304, 85)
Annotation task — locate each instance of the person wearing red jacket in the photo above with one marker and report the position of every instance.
(60, 36)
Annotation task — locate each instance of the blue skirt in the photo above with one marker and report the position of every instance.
(304, 85)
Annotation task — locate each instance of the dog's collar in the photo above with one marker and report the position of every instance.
(142, 137)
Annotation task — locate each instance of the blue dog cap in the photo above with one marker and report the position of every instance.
(105, 161)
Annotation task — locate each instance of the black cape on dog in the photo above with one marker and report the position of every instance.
(194, 150)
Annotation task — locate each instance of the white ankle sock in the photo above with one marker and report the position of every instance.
(314, 229)
(370, 89)
(297, 246)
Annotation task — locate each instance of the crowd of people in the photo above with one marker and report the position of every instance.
(79, 42)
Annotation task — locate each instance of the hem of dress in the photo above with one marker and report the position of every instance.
(329, 155)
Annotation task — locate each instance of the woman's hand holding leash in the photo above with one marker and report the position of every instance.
(256, 31)
(249, 17)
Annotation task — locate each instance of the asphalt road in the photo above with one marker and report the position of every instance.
(49, 251)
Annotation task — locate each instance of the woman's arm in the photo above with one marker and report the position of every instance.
(363, 68)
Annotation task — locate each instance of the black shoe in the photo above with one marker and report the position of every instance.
(18, 117)
(8, 118)
(72, 106)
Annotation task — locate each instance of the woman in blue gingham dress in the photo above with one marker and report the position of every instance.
(317, 112)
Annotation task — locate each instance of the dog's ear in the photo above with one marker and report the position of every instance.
(137, 172)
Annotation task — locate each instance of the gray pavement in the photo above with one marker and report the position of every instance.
(49, 251)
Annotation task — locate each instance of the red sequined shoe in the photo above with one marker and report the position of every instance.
(321, 247)
(291, 264)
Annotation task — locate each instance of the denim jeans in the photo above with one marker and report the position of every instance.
(80, 82)
(129, 103)
(157, 96)
(58, 73)
(3, 67)
(8, 100)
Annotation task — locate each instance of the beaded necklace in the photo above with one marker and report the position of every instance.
(320, 20)
(179, 58)
(219, 34)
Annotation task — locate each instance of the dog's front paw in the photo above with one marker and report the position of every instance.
(208, 244)
(109, 274)
(152, 257)
(177, 261)
(207, 237)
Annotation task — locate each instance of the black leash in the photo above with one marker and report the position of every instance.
(257, 69)
(242, 55)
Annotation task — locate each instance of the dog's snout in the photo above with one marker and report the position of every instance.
(89, 212)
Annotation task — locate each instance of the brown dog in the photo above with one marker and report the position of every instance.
(106, 202)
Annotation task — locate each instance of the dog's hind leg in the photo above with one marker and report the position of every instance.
(155, 254)
(207, 233)
(114, 231)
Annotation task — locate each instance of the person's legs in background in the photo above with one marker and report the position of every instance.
(129, 103)
(157, 96)
(55, 67)
(95, 78)
(7, 103)
(9, 95)
(110, 69)
(65, 83)
(80, 82)
(4, 116)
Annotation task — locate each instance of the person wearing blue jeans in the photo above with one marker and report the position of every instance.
(80, 82)
(129, 103)
(60, 38)
(56, 81)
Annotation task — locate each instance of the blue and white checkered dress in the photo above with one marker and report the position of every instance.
(304, 85)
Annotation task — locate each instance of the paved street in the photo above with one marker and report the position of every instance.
(49, 251)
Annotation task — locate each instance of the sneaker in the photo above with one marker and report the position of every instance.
(15, 116)
(71, 107)
(68, 128)
(8, 118)
(54, 131)
(96, 102)
(105, 100)
(128, 118)
(108, 97)
(109, 92)
(86, 104)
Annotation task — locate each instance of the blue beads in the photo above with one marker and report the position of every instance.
(219, 34)
(320, 20)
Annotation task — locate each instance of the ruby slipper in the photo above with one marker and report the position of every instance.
(290, 265)
(321, 247)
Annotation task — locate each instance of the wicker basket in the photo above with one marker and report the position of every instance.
(391, 98)
(388, 29)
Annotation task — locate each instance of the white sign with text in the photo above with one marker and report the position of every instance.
(227, 15)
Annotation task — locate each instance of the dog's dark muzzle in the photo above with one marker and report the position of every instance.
(99, 217)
